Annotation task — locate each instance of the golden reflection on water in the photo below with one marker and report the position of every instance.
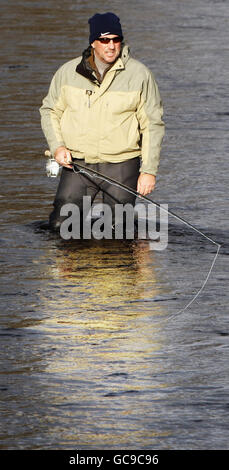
(108, 273)
(100, 310)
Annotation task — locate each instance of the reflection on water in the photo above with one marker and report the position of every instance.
(106, 275)
(87, 346)
(90, 358)
(88, 361)
(96, 287)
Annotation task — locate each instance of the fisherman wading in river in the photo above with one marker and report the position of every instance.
(103, 110)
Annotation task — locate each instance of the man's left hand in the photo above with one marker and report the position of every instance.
(146, 183)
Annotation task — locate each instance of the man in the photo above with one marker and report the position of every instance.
(104, 110)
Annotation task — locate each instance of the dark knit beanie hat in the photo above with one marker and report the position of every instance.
(103, 23)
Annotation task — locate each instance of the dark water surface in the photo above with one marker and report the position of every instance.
(97, 348)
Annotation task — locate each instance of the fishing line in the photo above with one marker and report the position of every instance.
(95, 174)
(201, 289)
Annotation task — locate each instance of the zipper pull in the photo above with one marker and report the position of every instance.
(89, 93)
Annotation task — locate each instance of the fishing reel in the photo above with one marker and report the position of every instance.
(52, 167)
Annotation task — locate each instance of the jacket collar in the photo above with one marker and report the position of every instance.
(87, 67)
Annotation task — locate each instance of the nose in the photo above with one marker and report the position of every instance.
(111, 44)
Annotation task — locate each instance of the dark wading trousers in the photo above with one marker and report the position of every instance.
(73, 186)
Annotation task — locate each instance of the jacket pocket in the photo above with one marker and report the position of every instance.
(121, 130)
(74, 120)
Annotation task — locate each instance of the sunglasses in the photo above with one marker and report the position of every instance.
(107, 40)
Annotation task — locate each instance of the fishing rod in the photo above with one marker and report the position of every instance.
(79, 168)
(89, 173)
(95, 174)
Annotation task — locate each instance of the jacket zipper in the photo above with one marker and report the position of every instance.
(89, 93)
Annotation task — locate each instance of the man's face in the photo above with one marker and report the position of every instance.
(107, 53)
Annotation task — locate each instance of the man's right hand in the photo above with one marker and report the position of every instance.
(63, 157)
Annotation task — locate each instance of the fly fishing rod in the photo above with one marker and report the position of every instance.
(89, 173)
(78, 168)
(93, 174)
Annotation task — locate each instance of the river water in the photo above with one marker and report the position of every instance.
(98, 347)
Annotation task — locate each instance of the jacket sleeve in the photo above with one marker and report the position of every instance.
(51, 112)
(149, 115)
